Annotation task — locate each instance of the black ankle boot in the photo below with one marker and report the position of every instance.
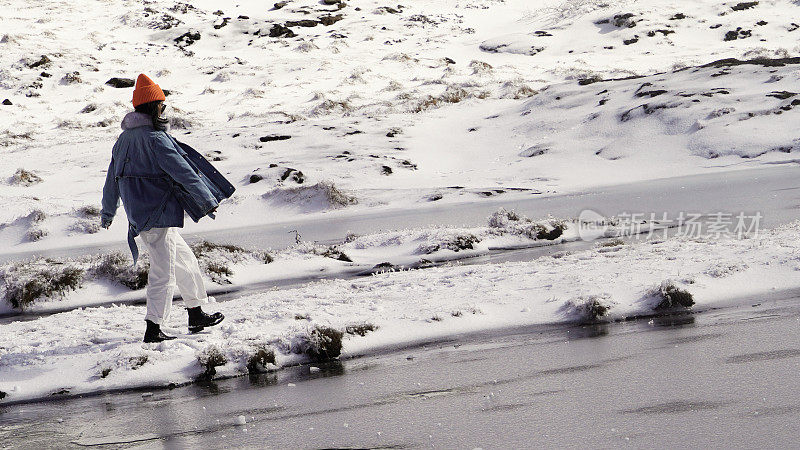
(153, 333)
(199, 320)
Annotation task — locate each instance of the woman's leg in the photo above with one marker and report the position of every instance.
(187, 273)
(190, 282)
(160, 244)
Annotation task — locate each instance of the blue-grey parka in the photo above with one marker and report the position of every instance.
(150, 172)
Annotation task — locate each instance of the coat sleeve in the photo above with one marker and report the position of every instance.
(110, 200)
(175, 165)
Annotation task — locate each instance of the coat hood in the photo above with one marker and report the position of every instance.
(136, 120)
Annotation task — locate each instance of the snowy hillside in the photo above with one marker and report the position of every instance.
(329, 108)
(396, 105)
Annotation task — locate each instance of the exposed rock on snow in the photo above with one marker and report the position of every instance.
(44, 61)
(274, 137)
(279, 30)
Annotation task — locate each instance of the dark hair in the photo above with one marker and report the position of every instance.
(153, 110)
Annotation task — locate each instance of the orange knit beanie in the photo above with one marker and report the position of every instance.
(146, 91)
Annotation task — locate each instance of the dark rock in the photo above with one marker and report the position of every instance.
(236, 135)
(243, 17)
(731, 36)
(738, 33)
(279, 30)
(590, 80)
(664, 32)
(224, 22)
(550, 235)
(330, 20)
(647, 109)
(255, 178)
(619, 21)
(782, 95)
(630, 41)
(215, 155)
(294, 174)
(274, 137)
(744, 5)
(651, 94)
(279, 5)
(624, 20)
(43, 61)
(218, 13)
(188, 38)
(715, 26)
(273, 165)
(330, 2)
(350, 133)
(387, 9)
(121, 82)
(449, 61)
(765, 62)
(386, 170)
(45, 75)
(678, 16)
(761, 23)
(542, 34)
(385, 267)
(7, 102)
(302, 23)
(166, 92)
(793, 27)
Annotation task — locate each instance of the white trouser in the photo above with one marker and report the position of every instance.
(171, 262)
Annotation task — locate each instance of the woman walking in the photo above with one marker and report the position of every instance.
(156, 180)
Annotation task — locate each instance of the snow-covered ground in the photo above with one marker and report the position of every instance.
(396, 105)
(44, 285)
(95, 349)
(324, 108)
